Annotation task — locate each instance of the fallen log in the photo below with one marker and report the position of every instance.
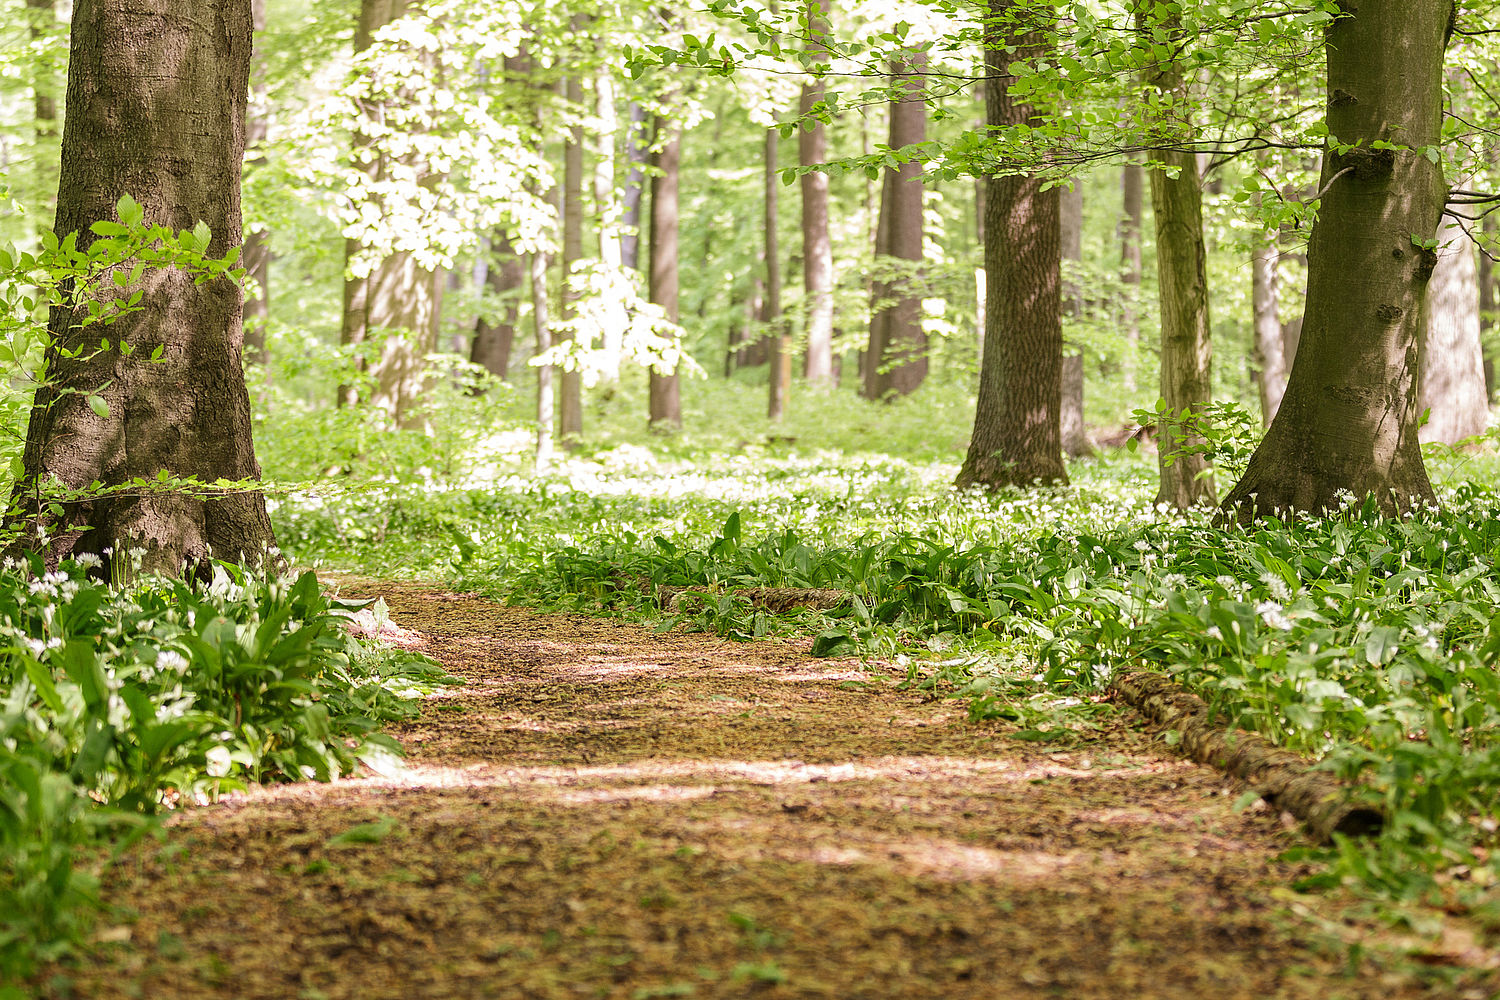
(777, 600)
(1282, 778)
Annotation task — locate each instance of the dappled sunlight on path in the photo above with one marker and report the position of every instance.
(603, 812)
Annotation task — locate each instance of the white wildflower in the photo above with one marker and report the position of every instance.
(218, 761)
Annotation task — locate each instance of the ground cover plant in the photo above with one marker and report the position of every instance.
(119, 702)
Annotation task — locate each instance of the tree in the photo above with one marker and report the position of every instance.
(387, 293)
(1348, 422)
(1132, 185)
(1450, 379)
(896, 359)
(1270, 353)
(779, 375)
(1182, 286)
(666, 398)
(817, 245)
(1075, 439)
(156, 109)
(257, 256)
(570, 385)
(495, 333)
(1017, 422)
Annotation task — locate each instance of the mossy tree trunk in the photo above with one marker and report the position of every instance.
(1017, 438)
(1348, 421)
(155, 109)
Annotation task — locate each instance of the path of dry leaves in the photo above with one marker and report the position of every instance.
(603, 812)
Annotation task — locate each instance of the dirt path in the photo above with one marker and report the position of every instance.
(602, 812)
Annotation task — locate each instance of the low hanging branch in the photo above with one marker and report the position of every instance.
(1282, 778)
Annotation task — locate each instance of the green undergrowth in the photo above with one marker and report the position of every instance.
(1366, 642)
(119, 702)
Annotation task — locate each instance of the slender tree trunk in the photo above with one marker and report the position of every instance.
(1182, 287)
(42, 23)
(256, 258)
(388, 295)
(666, 398)
(1075, 438)
(43, 14)
(1017, 437)
(570, 384)
(1490, 227)
(546, 396)
(607, 208)
(817, 246)
(896, 359)
(1270, 356)
(505, 279)
(637, 155)
(129, 129)
(779, 377)
(1348, 421)
(1450, 381)
(1132, 183)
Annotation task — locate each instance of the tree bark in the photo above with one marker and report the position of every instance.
(505, 279)
(1182, 288)
(546, 396)
(156, 109)
(817, 246)
(637, 155)
(666, 398)
(1132, 184)
(1490, 227)
(1270, 338)
(1450, 379)
(392, 296)
(896, 358)
(779, 347)
(607, 208)
(1348, 422)
(1017, 437)
(1075, 438)
(570, 382)
(256, 257)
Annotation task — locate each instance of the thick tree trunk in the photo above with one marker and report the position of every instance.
(1075, 438)
(256, 257)
(505, 279)
(896, 359)
(570, 382)
(1017, 437)
(391, 297)
(1348, 422)
(1132, 185)
(1450, 380)
(666, 398)
(1270, 356)
(156, 109)
(779, 347)
(817, 246)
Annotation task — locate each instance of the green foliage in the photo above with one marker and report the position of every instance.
(115, 703)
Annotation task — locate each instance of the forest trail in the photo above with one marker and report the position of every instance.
(604, 812)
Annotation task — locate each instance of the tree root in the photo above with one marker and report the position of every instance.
(1283, 779)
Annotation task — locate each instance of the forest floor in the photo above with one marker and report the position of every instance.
(605, 812)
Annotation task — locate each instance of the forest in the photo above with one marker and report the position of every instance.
(873, 499)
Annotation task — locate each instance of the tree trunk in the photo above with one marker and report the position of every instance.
(155, 108)
(43, 14)
(1270, 338)
(546, 398)
(389, 296)
(504, 278)
(1450, 380)
(779, 347)
(607, 208)
(256, 257)
(637, 145)
(666, 398)
(570, 383)
(1182, 288)
(1490, 226)
(1017, 437)
(1348, 421)
(1132, 183)
(1075, 438)
(896, 359)
(817, 247)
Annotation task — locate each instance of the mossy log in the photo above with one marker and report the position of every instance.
(777, 600)
(1283, 779)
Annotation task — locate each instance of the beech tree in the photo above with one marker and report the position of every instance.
(1017, 437)
(817, 246)
(156, 102)
(666, 391)
(1348, 421)
(1450, 379)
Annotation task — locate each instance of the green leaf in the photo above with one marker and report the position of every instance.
(99, 406)
(202, 235)
(364, 833)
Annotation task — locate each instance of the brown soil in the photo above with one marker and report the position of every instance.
(603, 812)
